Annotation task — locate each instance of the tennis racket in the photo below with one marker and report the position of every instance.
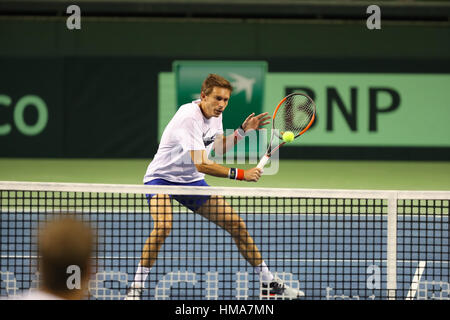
(296, 113)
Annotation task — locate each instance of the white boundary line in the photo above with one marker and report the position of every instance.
(416, 280)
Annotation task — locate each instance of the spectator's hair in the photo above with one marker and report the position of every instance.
(64, 242)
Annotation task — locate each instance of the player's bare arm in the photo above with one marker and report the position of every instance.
(207, 166)
(223, 143)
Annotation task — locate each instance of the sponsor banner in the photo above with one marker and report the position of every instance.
(370, 110)
(78, 107)
(31, 113)
(359, 109)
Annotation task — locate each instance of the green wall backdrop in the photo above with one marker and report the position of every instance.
(102, 85)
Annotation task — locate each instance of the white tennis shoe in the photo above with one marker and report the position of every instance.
(134, 292)
(277, 289)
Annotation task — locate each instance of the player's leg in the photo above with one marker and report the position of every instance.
(218, 211)
(161, 212)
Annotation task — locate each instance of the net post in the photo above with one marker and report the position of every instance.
(392, 246)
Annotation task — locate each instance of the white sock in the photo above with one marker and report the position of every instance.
(141, 276)
(264, 272)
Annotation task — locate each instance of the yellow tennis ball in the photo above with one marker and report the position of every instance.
(288, 136)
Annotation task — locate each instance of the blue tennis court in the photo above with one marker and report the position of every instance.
(328, 256)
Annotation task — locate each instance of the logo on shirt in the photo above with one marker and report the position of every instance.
(208, 140)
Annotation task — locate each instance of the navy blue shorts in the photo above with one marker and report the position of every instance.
(190, 201)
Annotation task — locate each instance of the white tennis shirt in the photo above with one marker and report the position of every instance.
(187, 130)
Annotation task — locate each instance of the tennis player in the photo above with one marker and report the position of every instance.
(182, 159)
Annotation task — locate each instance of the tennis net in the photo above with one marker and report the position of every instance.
(330, 244)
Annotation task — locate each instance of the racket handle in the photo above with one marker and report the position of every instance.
(263, 161)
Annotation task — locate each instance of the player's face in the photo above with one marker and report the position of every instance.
(214, 104)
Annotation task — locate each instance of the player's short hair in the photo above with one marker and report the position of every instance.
(62, 243)
(214, 80)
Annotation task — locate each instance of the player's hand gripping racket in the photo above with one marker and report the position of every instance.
(295, 113)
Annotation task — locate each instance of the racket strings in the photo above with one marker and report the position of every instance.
(295, 114)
